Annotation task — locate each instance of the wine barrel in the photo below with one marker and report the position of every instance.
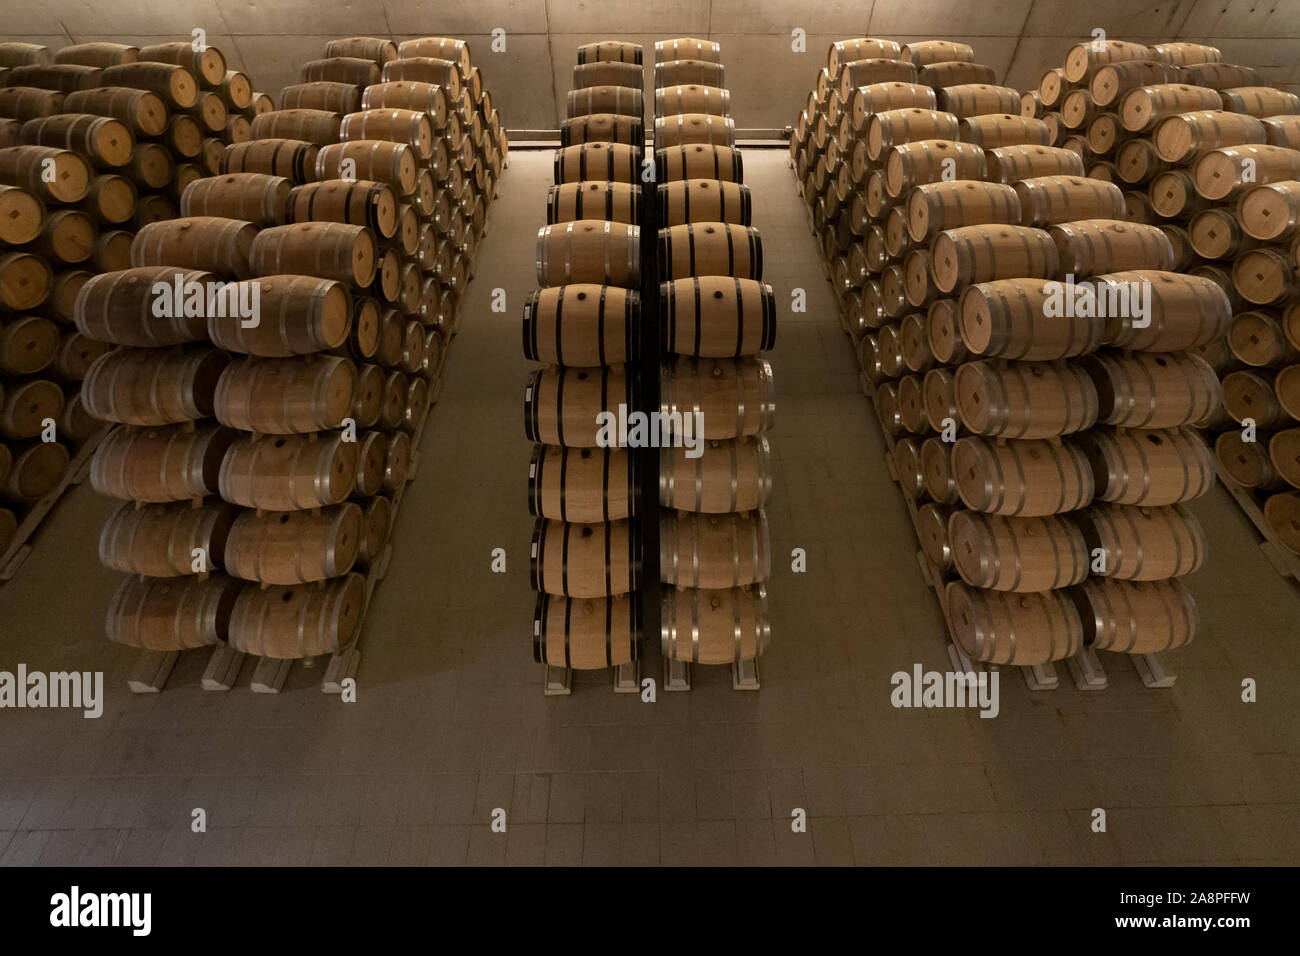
(22, 103)
(607, 73)
(704, 200)
(110, 199)
(610, 51)
(1220, 173)
(299, 621)
(562, 405)
(77, 353)
(172, 463)
(1282, 131)
(1260, 101)
(25, 166)
(1259, 396)
(104, 141)
(734, 396)
(689, 129)
(159, 540)
(1178, 138)
(911, 124)
(392, 163)
(1029, 477)
(165, 615)
(1025, 400)
(714, 626)
(1148, 467)
(407, 126)
(376, 523)
(152, 387)
(377, 49)
(615, 202)
(1142, 108)
(586, 634)
(672, 100)
(939, 483)
(1017, 553)
(1111, 82)
(28, 344)
(441, 48)
(294, 547)
(1271, 212)
(357, 71)
(1093, 246)
(729, 476)
(1144, 544)
(1136, 617)
(328, 250)
(619, 100)
(252, 197)
(971, 254)
(1011, 164)
(397, 459)
(1258, 339)
(14, 53)
(1182, 312)
(717, 316)
(173, 83)
(207, 243)
(63, 77)
(978, 99)
(1251, 464)
(585, 560)
(27, 406)
(295, 160)
(602, 128)
(297, 315)
(75, 423)
(589, 250)
(1085, 59)
(119, 307)
(357, 203)
(1010, 318)
(996, 627)
(287, 473)
(1264, 277)
(681, 48)
(582, 484)
(334, 97)
(1004, 129)
(1282, 512)
(1283, 452)
(320, 127)
(608, 162)
(285, 396)
(582, 324)
(666, 73)
(939, 395)
(699, 161)
(934, 207)
(714, 550)
(1048, 200)
(1152, 389)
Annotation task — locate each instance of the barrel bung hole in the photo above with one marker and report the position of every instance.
(1155, 439)
(286, 597)
(582, 296)
(585, 453)
(284, 519)
(717, 294)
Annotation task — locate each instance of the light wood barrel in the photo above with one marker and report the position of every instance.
(934, 207)
(714, 550)
(1271, 212)
(602, 128)
(939, 393)
(298, 315)
(1260, 396)
(102, 139)
(863, 102)
(27, 405)
(334, 97)
(1008, 318)
(911, 124)
(561, 405)
(1004, 129)
(938, 482)
(1178, 138)
(373, 456)
(1085, 59)
(1136, 617)
(287, 473)
(1282, 512)
(714, 626)
(1112, 81)
(1017, 553)
(1219, 173)
(1048, 200)
(397, 458)
(1010, 164)
(173, 463)
(1141, 108)
(159, 540)
(1027, 477)
(690, 98)
(118, 307)
(1185, 312)
(689, 129)
(67, 237)
(1094, 246)
(172, 82)
(1008, 628)
(609, 162)
(357, 203)
(1216, 233)
(585, 560)
(385, 162)
(171, 615)
(970, 254)
(734, 395)
(1251, 463)
(681, 48)
(586, 634)
(25, 166)
(666, 73)
(294, 547)
(1264, 276)
(582, 324)
(407, 126)
(1149, 467)
(1144, 544)
(610, 51)
(442, 48)
(589, 250)
(1260, 101)
(14, 53)
(290, 623)
(699, 161)
(376, 523)
(285, 396)
(253, 197)
(607, 73)
(582, 484)
(978, 99)
(320, 127)
(1258, 339)
(1282, 131)
(1152, 389)
(616, 202)
(704, 200)
(730, 476)
(153, 387)
(293, 159)
(328, 250)
(717, 316)
(955, 73)
(1025, 400)
(208, 243)
(357, 71)
(369, 48)
(619, 100)
(110, 200)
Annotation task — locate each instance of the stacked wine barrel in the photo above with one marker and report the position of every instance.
(1039, 466)
(716, 317)
(584, 325)
(124, 130)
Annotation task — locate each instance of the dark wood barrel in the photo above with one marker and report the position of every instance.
(258, 198)
(293, 159)
(582, 324)
(341, 98)
(118, 307)
(298, 315)
(394, 163)
(357, 203)
(210, 243)
(328, 250)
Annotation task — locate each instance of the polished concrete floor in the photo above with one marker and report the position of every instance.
(451, 723)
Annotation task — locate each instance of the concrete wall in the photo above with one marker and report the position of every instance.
(1020, 39)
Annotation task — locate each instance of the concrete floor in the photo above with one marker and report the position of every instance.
(451, 722)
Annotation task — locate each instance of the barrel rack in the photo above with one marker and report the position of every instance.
(152, 669)
(18, 550)
(1283, 560)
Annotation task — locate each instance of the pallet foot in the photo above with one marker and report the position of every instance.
(1282, 563)
(151, 670)
(1041, 676)
(223, 668)
(559, 681)
(341, 666)
(677, 676)
(744, 674)
(16, 561)
(960, 662)
(627, 678)
(413, 466)
(269, 675)
(1087, 671)
(1152, 671)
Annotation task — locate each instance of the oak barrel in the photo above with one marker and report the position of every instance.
(997, 627)
(285, 396)
(171, 614)
(291, 623)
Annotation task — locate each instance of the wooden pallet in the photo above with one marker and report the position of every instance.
(18, 550)
(1279, 555)
(153, 668)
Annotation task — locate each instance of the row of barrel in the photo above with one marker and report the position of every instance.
(1026, 348)
(321, 264)
(700, 452)
(96, 141)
